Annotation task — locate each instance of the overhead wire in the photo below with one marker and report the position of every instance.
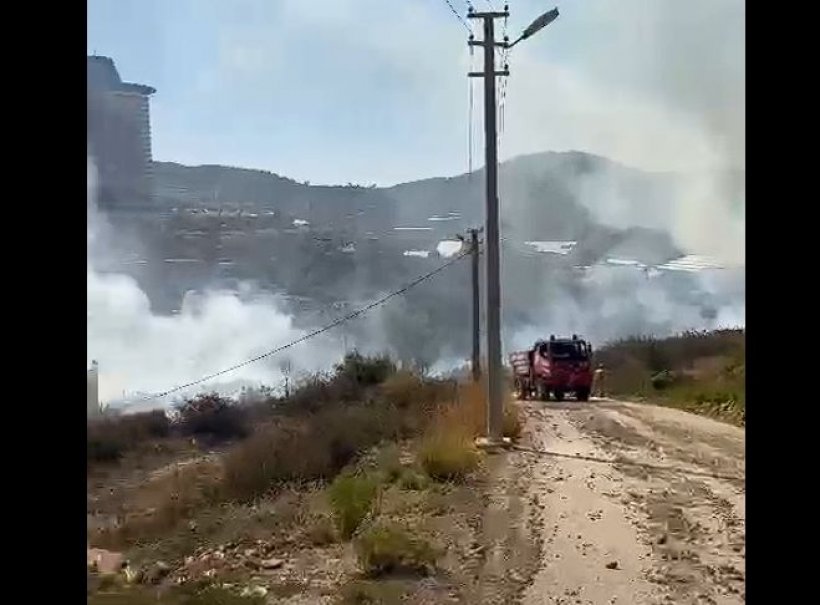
(505, 54)
(470, 125)
(458, 15)
(470, 103)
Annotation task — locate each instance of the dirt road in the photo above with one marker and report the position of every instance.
(632, 504)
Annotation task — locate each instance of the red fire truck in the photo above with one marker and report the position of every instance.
(553, 367)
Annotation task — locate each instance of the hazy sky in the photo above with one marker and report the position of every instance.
(375, 91)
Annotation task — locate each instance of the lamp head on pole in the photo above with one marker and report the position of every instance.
(537, 25)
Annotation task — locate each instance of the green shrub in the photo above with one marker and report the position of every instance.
(386, 548)
(413, 480)
(352, 498)
(209, 415)
(365, 371)
(389, 462)
(662, 380)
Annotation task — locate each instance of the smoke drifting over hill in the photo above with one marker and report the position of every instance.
(656, 85)
(141, 352)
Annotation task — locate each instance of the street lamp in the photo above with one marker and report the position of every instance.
(537, 25)
(495, 386)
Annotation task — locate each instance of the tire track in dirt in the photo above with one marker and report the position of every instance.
(695, 523)
(591, 552)
(643, 502)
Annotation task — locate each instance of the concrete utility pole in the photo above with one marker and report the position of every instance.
(476, 357)
(495, 378)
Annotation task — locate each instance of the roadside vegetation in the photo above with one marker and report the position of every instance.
(702, 372)
(361, 464)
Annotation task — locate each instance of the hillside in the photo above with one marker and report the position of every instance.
(219, 226)
(546, 196)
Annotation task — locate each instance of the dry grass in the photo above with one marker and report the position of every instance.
(206, 595)
(448, 455)
(413, 480)
(447, 452)
(277, 521)
(242, 497)
(403, 389)
(372, 592)
(163, 504)
(107, 440)
(469, 412)
(388, 462)
(702, 372)
(271, 458)
(315, 449)
(321, 531)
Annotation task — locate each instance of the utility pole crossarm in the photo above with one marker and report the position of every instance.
(504, 44)
(488, 15)
(481, 74)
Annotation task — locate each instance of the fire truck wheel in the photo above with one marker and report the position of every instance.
(582, 395)
(559, 395)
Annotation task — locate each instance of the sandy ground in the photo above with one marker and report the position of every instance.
(632, 504)
(602, 502)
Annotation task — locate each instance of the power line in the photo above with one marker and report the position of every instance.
(470, 118)
(310, 335)
(505, 55)
(502, 102)
(458, 16)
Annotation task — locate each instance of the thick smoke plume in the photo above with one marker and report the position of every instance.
(142, 353)
(611, 303)
(655, 85)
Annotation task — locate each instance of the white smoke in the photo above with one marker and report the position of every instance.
(619, 302)
(653, 84)
(703, 212)
(657, 85)
(140, 352)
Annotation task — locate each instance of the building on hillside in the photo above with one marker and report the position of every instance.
(93, 408)
(119, 136)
